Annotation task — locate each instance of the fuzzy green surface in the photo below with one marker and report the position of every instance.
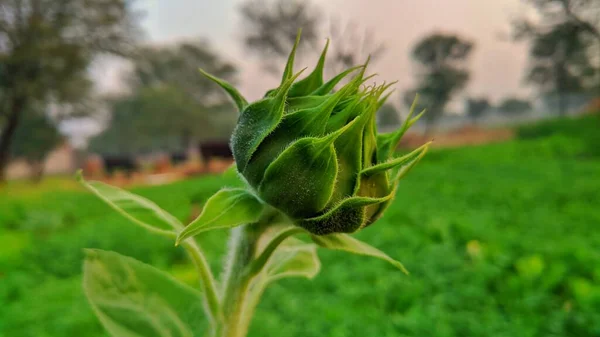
(500, 240)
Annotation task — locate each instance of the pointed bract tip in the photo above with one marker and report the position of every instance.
(285, 86)
(324, 52)
(413, 106)
(289, 66)
(330, 138)
(367, 61)
(419, 115)
(234, 94)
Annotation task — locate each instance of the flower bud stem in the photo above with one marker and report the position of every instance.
(236, 278)
(242, 246)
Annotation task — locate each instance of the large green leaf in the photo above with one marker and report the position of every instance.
(133, 299)
(139, 210)
(347, 243)
(225, 209)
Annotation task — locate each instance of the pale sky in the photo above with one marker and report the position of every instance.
(497, 64)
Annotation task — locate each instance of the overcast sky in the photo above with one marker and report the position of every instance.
(497, 64)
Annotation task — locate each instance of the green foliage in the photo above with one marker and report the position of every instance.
(579, 136)
(171, 104)
(34, 138)
(46, 52)
(134, 299)
(500, 240)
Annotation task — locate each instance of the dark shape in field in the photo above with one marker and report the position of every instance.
(123, 163)
(215, 149)
(178, 157)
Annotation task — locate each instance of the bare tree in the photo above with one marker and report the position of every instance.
(270, 28)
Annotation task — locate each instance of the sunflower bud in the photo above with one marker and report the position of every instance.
(313, 152)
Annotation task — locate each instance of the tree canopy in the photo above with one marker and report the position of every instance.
(514, 105)
(564, 47)
(441, 61)
(170, 103)
(476, 107)
(46, 47)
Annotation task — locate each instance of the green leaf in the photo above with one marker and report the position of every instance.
(293, 258)
(133, 299)
(139, 210)
(349, 244)
(233, 177)
(225, 209)
(235, 95)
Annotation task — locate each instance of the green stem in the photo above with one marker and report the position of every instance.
(242, 267)
(236, 282)
(207, 283)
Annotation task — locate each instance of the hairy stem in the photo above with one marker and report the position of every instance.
(236, 281)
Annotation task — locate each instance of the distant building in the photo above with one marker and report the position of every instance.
(60, 161)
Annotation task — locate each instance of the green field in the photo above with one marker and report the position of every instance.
(500, 240)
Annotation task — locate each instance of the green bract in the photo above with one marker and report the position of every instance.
(313, 152)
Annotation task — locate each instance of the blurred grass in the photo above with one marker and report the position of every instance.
(501, 240)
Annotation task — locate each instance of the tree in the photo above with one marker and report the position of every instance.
(441, 60)
(585, 14)
(46, 46)
(171, 103)
(35, 137)
(388, 117)
(513, 105)
(352, 45)
(564, 45)
(270, 28)
(476, 107)
(559, 62)
(177, 66)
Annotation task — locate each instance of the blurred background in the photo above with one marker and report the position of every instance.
(499, 224)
